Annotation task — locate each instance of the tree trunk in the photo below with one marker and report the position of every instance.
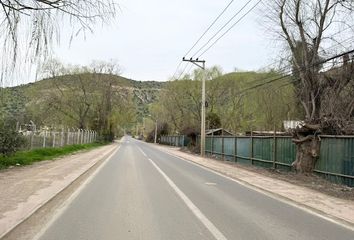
(307, 153)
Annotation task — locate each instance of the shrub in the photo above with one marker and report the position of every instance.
(10, 139)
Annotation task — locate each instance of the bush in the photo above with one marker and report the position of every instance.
(10, 139)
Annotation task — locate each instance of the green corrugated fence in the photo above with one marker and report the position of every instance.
(177, 141)
(336, 162)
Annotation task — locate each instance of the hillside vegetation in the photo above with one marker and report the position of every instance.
(103, 102)
(110, 103)
(232, 103)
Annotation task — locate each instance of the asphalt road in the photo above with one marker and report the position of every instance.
(143, 193)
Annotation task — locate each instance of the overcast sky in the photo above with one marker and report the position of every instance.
(150, 37)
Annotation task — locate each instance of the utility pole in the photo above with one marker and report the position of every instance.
(201, 64)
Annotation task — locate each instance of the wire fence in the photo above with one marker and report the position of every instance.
(52, 139)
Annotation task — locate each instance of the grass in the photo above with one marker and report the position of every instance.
(37, 155)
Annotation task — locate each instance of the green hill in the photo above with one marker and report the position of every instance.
(15, 101)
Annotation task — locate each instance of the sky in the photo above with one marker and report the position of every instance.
(149, 38)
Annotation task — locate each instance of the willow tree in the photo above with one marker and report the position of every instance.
(309, 28)
(29, 27)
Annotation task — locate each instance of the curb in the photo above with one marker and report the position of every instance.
(41, 205)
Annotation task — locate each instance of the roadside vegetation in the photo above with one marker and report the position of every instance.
(37, 155)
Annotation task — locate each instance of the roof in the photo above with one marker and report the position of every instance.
(219, 132)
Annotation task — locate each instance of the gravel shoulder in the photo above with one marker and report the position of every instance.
(25, 189)
(311, 192)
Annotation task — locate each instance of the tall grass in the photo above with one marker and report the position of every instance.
(37, 155)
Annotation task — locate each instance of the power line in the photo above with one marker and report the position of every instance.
(205, 32)
(321, 51)
(232, 26)
(184, 69)
(210, 26)
(288, 75)
(288, 66)
(222, 28)
(177, 68)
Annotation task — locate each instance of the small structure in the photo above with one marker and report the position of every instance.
(218, 132)
(266, 133)
(292, 124)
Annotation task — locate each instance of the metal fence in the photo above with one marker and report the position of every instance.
(177, 141)
(336, 162)
(45, 139)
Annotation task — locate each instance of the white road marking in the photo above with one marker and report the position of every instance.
(66, 204)
(142, 152)
(195, 210)
(272, 195)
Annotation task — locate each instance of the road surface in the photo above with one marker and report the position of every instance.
(144, 193)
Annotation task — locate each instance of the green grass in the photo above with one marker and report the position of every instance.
(37, 155)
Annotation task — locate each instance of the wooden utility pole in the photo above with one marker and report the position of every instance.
(201, 64)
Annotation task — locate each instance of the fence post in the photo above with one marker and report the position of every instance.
(274, 148)
(251, 146)
(78, 137)
(31, 144)
(44, 136)
(68, 137)
(235, 151)
(53, 139)
(62, 138)
(223, 148)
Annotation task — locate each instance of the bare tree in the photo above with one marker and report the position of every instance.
(307, 27)
(29, 27)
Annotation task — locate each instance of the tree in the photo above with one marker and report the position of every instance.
(29, 27)
(179, 103)
(306, 27)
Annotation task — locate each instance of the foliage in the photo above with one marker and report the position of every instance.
(29, 27)
(10, 139)
(162, 129)
(306, 28)
(323, 88)
(238, 110)
(213, 120)
(29, 157)
(90, 97)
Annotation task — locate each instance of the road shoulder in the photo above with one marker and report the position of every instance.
(334, 209)
(30, 188)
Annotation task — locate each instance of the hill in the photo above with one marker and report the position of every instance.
(143, 93)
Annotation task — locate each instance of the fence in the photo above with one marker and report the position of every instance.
(45, 139)
(177, 141)
(336, 162)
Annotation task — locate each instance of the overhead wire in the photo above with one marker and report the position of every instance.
(288, 67)
(204, 33)
(288, 75)
(210, 26)
(229, 29)
(223, 27)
